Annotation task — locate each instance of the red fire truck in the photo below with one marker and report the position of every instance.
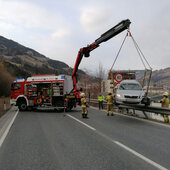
(43, 91)
(57, 91)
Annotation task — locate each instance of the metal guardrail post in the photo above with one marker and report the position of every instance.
(145, 115)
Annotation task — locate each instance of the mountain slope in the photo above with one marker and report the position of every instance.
(20, 59)
(159, 77)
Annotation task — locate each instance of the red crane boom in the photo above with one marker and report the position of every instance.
(85, 51)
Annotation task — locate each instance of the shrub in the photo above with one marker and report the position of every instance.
(5, 81)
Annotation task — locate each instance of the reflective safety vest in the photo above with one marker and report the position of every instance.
(83, 102)
(100, 98)
(109, 99)
(165, 101)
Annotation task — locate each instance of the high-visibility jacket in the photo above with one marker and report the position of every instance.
(109, 99)
(100, 98)
(83, 102)
(165, 101)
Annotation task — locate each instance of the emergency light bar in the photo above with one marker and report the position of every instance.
(19, 80)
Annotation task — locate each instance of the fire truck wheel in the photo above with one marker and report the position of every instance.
(69, 108)
(22, 106)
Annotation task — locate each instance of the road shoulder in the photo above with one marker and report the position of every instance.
(6, 122)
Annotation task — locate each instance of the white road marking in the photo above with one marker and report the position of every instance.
(81, 122)
(7, 129)
(123, 146)
(140, 156)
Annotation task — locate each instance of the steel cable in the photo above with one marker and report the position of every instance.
(119, 51)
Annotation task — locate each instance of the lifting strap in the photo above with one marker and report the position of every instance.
(119, 51)
(140, 53)
(144, 76)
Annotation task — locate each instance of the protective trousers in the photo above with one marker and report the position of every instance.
(165, 104)
(166, 119)
(110, 108)
(84, 109)
(100, 105)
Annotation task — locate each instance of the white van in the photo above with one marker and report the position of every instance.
(129, 91)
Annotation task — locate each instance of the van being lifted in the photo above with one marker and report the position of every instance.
(43, 91)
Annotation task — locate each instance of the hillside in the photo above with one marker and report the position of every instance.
(23, 61)
(159, 78)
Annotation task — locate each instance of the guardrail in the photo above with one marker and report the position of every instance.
(135, 107)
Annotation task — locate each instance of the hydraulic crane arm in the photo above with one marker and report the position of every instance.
(85, 51)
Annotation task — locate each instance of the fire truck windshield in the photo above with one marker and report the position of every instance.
(15, 86)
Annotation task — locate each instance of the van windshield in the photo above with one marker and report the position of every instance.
(130, 86)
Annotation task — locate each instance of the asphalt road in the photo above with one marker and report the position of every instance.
(65, 141)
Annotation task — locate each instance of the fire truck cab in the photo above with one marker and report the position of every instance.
(43, 91)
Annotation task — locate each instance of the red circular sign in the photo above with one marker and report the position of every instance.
(118, 77)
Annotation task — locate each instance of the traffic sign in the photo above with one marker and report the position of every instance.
(118, 77)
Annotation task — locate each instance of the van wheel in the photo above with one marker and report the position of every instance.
(22, 106)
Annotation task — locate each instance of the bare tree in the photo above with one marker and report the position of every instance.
(100, 75)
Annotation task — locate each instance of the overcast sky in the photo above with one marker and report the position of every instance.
(59, 28)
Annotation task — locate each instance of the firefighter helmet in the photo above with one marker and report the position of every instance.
(82, 94)
(109, 92)
(165, 93)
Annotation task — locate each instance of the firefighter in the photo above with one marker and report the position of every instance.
(83, 105)
(110, 100)
(165, 103)
(100, 100)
